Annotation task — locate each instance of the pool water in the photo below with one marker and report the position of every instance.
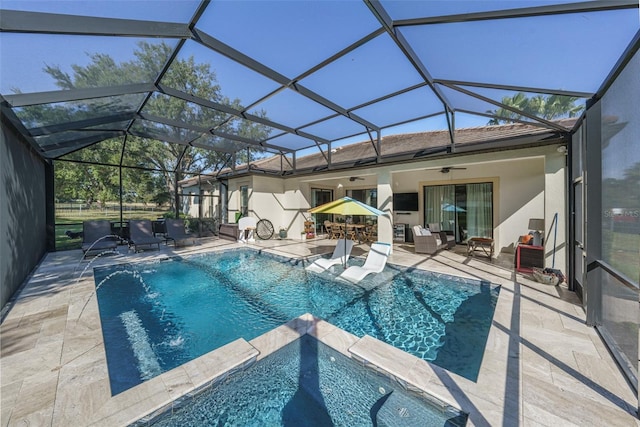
(160, 315)
(307, 383)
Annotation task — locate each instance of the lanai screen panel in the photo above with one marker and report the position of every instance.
(289, 38)
(49, 62)
(307, 73)
(556, 52)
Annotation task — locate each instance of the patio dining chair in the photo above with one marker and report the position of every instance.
(329, 230)
(370, 233)
(337, 230)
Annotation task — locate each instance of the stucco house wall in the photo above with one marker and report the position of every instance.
(527, 183)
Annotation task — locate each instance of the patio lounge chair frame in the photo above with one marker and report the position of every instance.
(340, 255)
(375, 262)
(95, 238)
(175, 231)
(141, 234)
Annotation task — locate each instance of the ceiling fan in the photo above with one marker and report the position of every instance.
(353, 178)
(447, 169)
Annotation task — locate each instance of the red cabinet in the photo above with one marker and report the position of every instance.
(529, 256)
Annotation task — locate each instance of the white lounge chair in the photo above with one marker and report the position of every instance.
(341, 254)
(375, 262)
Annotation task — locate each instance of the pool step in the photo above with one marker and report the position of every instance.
(400, 410)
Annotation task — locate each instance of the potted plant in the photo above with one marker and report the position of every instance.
(303, 236)
(282, 233)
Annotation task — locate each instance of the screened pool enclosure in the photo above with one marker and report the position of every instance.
(109, 107)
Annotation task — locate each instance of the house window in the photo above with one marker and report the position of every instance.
(464, 209)
(368, 196)
(320, 196)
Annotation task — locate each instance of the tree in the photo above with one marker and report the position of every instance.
(547, 107)
(185, 75)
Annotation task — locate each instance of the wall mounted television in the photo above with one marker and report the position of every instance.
(405, 202)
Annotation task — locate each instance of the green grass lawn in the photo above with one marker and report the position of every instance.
(72, 221)
(624, 253)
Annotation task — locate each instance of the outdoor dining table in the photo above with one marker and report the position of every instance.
(351, 231)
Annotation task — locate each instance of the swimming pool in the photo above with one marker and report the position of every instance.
(307, 383)
(160, 315)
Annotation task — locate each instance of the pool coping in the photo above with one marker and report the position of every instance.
(542, 364)
(362, 350)
(195, 377)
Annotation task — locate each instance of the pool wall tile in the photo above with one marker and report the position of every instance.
(403, 369)
(158, 395)
(370, 350)
(177, 382)
(126, 407)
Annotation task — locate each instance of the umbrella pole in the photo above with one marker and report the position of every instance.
(344, 257)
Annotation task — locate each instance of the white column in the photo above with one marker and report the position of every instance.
(555, 201)
(385, 204)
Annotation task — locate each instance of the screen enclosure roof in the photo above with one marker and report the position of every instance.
(293, 78)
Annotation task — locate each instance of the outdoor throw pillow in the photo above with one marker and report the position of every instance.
(526, 239)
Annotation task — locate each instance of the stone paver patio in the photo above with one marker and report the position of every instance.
(542, 365)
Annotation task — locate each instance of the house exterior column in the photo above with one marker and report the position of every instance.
(385, 204)
(555, 202)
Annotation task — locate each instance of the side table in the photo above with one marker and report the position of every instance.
(529, 256)
(485, 244)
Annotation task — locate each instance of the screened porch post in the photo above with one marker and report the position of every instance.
(50, 214)
(200, 200)
(385, 204)
(176, 194)
(120, 186)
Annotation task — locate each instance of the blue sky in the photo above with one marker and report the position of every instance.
(569, 52)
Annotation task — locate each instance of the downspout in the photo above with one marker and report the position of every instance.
(224, 214)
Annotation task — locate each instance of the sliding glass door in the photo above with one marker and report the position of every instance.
(465, 210)
(319, 197)
(368, 196)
